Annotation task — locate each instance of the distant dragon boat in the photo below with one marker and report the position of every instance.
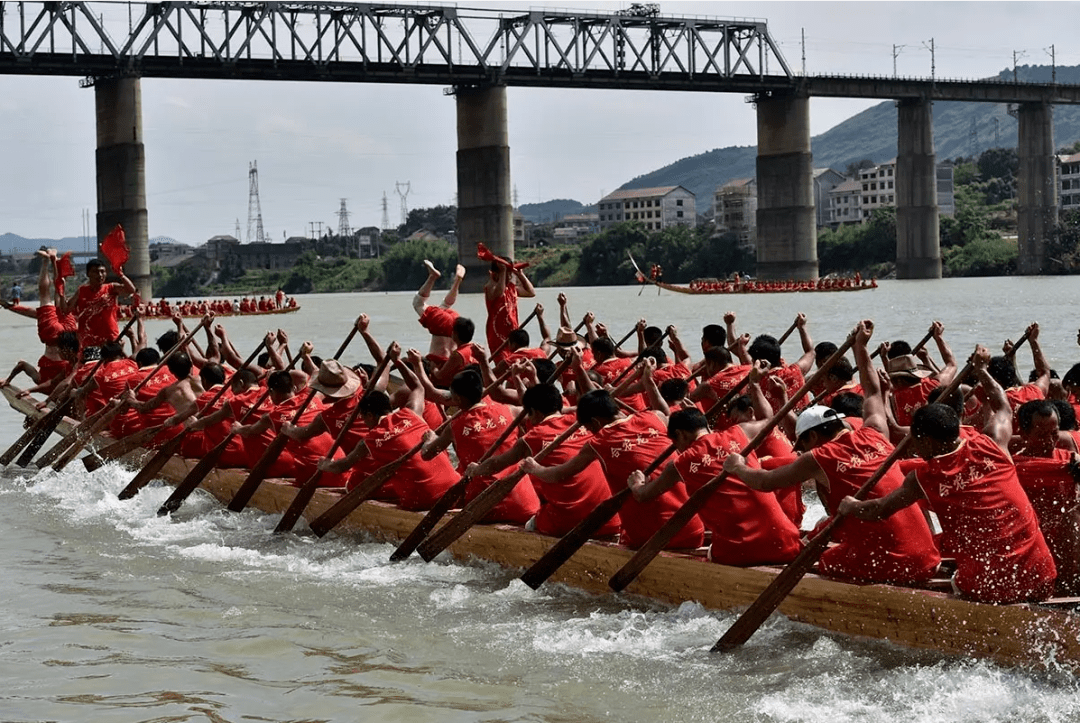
(1037, 635)
(125, 311)
(712, 286)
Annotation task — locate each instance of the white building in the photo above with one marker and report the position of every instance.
(825, 180)
(655, 208)
(735, 210)
(1069, 182)
(878, 187)
(845, 203)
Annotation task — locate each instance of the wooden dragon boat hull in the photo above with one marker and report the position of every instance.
(1026, 634)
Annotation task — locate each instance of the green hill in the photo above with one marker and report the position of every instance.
(960, 129)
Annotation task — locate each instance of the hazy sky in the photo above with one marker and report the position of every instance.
(316, 143)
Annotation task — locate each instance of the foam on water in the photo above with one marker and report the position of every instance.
(599, 657)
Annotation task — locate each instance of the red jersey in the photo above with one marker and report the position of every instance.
(1053, 494)
(611, 369)
(988, 523)
(631, 444)
(898, 549)
(748, 527)
(418, 483)
(525, 354)
(112, 378)
(49, 369)
(95, 311)
(502, 316)
(475, 431)
(438, 321)
(198, 444)
(565, 504)
(907, 399)
(677, 370)
(793, 379)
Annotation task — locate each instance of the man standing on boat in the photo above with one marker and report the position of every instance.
(840, 459)
(969, 480)
(95, 304)
(501, 296)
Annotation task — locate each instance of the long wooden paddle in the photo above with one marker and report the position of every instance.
(116, 450)
(786, 334)
(84, 433)
(64, 443)
(506, 341)
(307, 490)
(922, 342)
(370, 485)
(782, 585)
(167, 450)
(204, 466)
(676, 522)
(38, 433)
(277, 446)
(585, 530)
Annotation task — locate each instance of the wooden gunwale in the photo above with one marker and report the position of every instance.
(1026, 635)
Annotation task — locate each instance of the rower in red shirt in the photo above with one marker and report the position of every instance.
(476, 428)
(840, 460)
(418, 483)
(623, 445)
(562, 504)
(969, 480)
(748, 527)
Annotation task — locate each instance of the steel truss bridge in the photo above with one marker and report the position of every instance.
(363, 42)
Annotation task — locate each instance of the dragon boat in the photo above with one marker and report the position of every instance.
(1031, 635)
(713, 286)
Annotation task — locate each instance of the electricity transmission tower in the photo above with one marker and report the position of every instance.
(343, 221)
(255, 222)
(404, 195)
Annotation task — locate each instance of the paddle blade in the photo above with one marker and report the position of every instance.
(299, 503)
(770, 598)
(150, 470)
(473, 513)
(119, 448)
(194, 478)
(115, 248)
(258, 474)
(572, 541)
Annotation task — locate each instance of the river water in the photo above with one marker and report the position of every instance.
(112, 614)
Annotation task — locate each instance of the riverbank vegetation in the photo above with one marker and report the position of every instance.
(978, 239)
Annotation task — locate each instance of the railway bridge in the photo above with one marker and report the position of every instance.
(478, 53)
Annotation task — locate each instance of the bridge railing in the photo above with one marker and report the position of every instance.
(491, 44)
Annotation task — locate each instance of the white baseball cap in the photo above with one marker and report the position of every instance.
(815, 416)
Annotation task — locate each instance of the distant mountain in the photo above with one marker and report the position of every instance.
(14, 243)
(553, 210)
(960, 129)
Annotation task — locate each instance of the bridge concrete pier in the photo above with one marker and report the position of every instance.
(918, 235)
(1036, 186)
(121, 173)
(786, 225)
(485, 209)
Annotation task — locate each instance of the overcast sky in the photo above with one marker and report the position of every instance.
(316, 143)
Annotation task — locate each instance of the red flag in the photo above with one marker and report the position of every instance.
(64, 266)
(115, 248)
(485, 254)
